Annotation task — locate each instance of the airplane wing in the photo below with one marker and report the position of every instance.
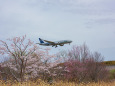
(37, 43)
(49, 42)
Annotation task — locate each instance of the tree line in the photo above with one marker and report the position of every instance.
(27, 61)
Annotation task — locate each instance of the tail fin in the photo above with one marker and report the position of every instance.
(41, 41)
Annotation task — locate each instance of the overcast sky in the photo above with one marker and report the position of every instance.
(89, 21)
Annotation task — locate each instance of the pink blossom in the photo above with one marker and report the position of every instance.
(27, 56)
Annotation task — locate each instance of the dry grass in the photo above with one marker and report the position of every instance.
(60, 83)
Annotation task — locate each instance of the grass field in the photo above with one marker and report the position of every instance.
(60, 83)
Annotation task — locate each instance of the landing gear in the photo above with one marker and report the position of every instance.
(55, 46)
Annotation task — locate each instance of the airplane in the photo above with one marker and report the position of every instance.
(50, 43)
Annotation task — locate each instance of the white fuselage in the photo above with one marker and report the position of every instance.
(61, 43)
(50, 43)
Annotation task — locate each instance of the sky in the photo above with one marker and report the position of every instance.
(82, 21)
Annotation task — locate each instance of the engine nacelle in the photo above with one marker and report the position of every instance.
(61, 44)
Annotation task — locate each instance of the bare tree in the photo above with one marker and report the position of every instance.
(95, 69)
(83, 64)
(79, 52)
(63, 55)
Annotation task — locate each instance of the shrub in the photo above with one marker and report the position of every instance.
(112, 74)
(75, 70)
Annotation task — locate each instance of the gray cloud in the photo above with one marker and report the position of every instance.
(60, 19)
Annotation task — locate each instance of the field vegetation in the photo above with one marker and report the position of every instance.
(109, 62)
(60, 83)
(29, 65)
